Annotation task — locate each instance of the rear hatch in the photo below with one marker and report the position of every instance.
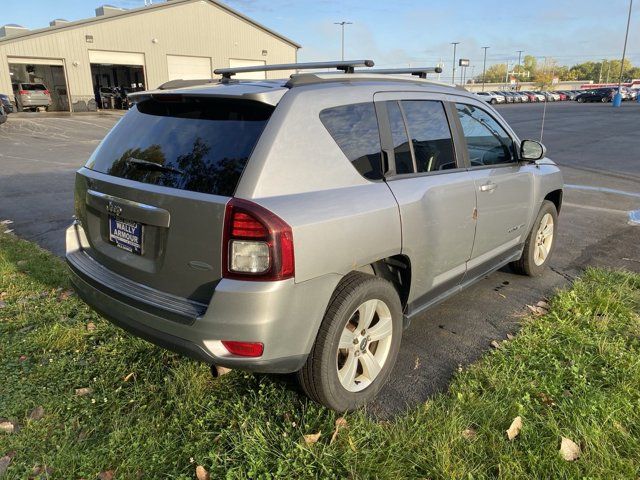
(35, 92)
(152, 197)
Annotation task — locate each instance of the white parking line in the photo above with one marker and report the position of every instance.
(603, 190)
(597, 209)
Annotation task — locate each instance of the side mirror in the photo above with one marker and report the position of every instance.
(531, 150)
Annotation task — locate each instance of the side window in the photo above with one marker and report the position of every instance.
(430, 135)
(401, 147)
(488, 143)
(355, 129)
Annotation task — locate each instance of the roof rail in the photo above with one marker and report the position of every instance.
(347, 66)
(417, 71)
(185, 83)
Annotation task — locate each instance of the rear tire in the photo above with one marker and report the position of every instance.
(540, 243)
(357, 344)
(493, 101)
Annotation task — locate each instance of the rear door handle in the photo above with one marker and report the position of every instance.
(488, 187)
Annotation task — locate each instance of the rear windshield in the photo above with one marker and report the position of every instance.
(33, 86)
(201, 145)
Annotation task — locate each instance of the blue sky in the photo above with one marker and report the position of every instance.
(417, 32)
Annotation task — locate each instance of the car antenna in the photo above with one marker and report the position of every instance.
(544, 114)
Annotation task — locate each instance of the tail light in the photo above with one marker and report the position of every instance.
(23, 92)
(46, 92)
(256, 243)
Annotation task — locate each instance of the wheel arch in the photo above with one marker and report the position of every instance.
(396, 270)
(555, 197)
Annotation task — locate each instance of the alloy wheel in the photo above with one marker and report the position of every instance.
(364, 345)
(544, 239)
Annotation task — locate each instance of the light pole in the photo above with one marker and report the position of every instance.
(617, 99)
(600, 74)
(506, 75)
(484, 66)
(519, 58)
(453, 73)
(342, 24)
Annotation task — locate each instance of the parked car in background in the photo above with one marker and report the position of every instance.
(3, 114)
(540, 96)
(31, 96)
(548, 96)
(491, 97)
(6, 103)
(205, 221)
(632, 93)
(570, 94)
(524, 98)
(530, 95)
(507, 98)
(628, 93)
(598, 95)
(561, 96)
(516, 96)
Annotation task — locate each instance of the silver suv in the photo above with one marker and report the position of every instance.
(299, 225)
(31, 96)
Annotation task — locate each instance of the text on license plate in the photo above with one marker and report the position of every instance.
(126, 234)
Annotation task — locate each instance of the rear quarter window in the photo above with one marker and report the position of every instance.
(355, 129)
(200, 145)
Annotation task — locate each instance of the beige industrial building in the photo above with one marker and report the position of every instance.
(135, 49)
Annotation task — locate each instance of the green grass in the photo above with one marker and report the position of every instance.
(574, 372)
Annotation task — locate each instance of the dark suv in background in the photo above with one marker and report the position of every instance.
(598, 95)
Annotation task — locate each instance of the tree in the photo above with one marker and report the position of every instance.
(530, 64)
(544, 80)
(633, 73)
(607, 71)
(495, 73)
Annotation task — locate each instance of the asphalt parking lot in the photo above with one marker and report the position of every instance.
(597, 146)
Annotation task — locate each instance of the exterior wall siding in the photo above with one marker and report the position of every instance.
(200, 29)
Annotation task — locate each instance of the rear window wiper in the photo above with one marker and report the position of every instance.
(138, 162)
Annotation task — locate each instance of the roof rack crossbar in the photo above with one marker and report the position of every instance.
(347, 66)
(417, 71)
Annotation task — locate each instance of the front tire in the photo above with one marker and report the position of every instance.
(357, 344)
(540, 243)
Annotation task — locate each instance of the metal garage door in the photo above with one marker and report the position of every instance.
(35, 61)
(188, 68)
(236, 62)
(115, 58)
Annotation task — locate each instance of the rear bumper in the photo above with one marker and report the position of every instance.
(284, 316)
(31, 102)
